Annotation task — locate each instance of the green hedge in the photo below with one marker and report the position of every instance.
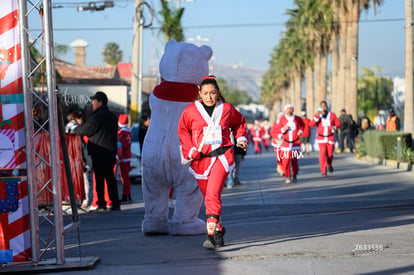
(383, 144)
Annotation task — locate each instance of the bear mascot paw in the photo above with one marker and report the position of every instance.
(182, 68)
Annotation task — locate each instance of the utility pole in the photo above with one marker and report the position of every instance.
(136, 78)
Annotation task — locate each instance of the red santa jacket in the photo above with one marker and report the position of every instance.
(124, 144)
(290, 136)
(306, 130)
(326, 126)
(191, 126)
(257, 133)
(275, 134)
(266, 132)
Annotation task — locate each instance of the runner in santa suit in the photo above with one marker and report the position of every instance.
(124, 156)
(291, 128)
(257, 132)
(266, 134)
(208, 122)
(327, 123)
(276, 142)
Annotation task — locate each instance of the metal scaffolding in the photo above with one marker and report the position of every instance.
(41, 97)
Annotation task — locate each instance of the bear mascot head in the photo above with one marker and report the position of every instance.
(182, 68)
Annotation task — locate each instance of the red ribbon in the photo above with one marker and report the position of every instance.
(209, 77)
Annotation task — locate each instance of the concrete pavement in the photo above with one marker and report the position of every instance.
(358, 220)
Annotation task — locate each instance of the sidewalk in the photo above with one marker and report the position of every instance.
(358, 220)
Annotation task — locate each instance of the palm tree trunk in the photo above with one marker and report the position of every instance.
(409, 85)
(334, 50)
(291, 96)
(352, 58)
(323, 76)
(310, 93)
(317, 69)
(342, 59)
(297, 102)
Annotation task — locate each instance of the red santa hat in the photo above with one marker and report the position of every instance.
(123, 120)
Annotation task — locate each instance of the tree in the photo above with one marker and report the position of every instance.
(112, 54)
(233, 96)
(171, 26)
(315, 30)
(374, 92)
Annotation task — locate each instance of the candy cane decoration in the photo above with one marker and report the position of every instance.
(14, 203)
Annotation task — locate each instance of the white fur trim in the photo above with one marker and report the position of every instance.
(242, 139)
(288, 106)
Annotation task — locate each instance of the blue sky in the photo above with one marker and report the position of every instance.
(240, 32)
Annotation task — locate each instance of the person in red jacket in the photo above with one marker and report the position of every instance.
(124, 156)
(305, 138)
(291, 128)
(327, 123)
(266, 134)
(204, 132)
(277, 142)
(257, 133)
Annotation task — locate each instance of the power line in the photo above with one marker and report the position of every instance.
(217, 26)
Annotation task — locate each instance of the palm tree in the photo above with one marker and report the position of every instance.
(112, 54)
(374, 92)
(409, 97)
(171, 27)
(352, 9)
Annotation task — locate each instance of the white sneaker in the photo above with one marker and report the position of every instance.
(287, 181)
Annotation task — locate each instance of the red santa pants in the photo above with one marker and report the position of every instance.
(124, 168)
(289, 160)
(257, 146)
(278, 153)
(212, 187)
(266, 143)
(325, 155)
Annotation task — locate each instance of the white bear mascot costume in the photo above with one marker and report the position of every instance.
(182, 68)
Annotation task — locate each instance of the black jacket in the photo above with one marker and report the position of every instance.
(101, 129)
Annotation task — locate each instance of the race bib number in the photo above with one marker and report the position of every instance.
(213, 136)
(326, 123)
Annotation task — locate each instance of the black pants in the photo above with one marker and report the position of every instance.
(349, 140)
(103, 167)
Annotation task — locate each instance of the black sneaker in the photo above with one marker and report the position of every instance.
(219, 237)
(125, 199)
(294, 179)
(330, 169)
(209, 243)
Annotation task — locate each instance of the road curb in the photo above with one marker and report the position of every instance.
(393, 164)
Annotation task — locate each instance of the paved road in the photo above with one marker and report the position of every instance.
(358, 220)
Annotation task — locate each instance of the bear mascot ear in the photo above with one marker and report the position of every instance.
(207, 52)
(170, 44)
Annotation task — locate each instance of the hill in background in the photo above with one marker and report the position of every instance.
(241, 78)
